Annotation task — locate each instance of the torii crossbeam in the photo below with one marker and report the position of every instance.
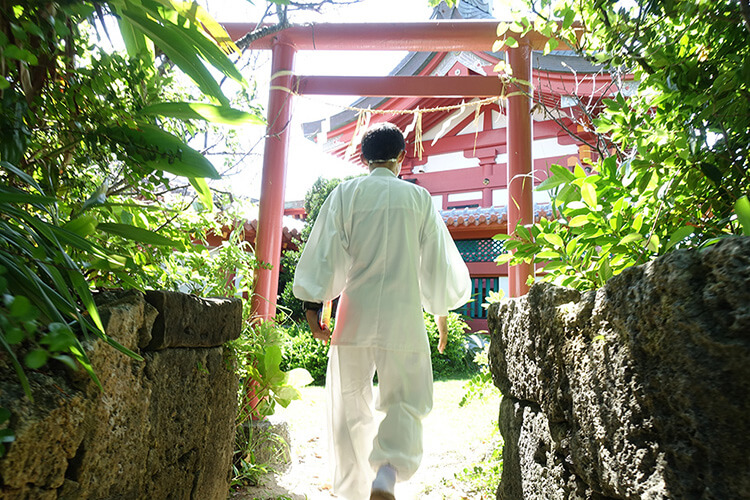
(428, 36)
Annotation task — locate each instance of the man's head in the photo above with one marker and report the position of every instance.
(383, 144)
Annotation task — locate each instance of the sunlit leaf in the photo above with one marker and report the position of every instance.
(678, 235)
(136, 234)
(630, 238)
(161, 150)
(202, 111)
(178, 49)
(578, 221)
(588, 194)
(742, 209)
(204, 192)
(503, 258)
(554, 239)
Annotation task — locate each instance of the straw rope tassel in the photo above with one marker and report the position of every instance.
(363, 119)
(418, 146)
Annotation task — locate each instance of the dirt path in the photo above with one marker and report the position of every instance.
(455, 438)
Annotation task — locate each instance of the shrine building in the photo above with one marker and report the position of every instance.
(462, 157)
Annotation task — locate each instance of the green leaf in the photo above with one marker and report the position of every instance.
(563, 172)
(21, 175)
(551, 183)
(511, 42)
(570, 16)
(653, 243)
(523, 233)
(742, 209)
(578, 221)
(299, 377)
(14, 335)
(201, 111)
(554, 264)
(204, 192)
(272, 358)
(66, 360)
(36, 358)
(287, 393)
(20, 308)
(504, 258)
(83, 226)
(548, 254)
(588, 194)
(554, 239)
(551, 45)
(172, 41)
(212, 54)
(630, 238)
(501, 236)
(678, 235)
(20, 54)
(161, 150)
(10, 195)
(136, 234)
(136, 42)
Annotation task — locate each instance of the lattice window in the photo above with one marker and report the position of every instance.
(479, 250)
(481, 288)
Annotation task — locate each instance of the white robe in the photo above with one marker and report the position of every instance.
(379, 243)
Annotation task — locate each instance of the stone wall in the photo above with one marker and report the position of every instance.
(159, 428)
(638, 390)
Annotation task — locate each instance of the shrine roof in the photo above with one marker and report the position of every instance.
(476, 216)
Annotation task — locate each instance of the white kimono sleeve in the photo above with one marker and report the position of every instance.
(444, 280)
(321, 271)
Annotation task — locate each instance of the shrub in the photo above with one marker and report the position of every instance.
(458, 358)
(303, 351)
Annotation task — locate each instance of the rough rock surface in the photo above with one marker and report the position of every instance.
(190, 321)
(638, 390)
(162, 427)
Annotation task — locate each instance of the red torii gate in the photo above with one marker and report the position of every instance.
(428, 36)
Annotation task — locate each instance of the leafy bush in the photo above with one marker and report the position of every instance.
(458, 358)
(480, 385)
(671, 162)
(303, 351)
(89, 156)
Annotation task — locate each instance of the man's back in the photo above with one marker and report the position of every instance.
(382, 230)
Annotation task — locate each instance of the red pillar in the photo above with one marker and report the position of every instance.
(520, 185)
(271, 210)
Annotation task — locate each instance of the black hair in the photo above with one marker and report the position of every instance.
(382, 142)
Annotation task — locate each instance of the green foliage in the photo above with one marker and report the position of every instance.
(89, 156)
(264, 383)
(303, 351)
(480, 385)
(673, 157)
(259, 353)
(457, 359)
(481, 478)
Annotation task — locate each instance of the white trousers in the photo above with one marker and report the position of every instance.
(404, 395)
